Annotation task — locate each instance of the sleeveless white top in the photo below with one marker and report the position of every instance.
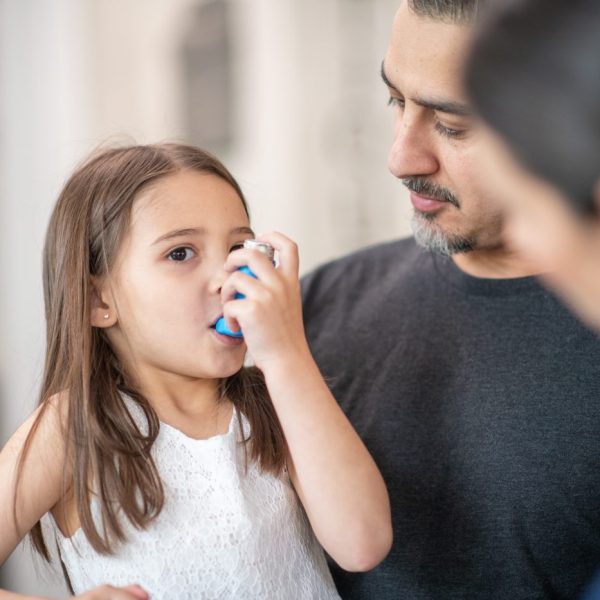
(223, 533)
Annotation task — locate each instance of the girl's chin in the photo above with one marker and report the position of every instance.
(232, 371)
(228, 368)
(213, 372)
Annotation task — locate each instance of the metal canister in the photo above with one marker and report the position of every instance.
(263, 247)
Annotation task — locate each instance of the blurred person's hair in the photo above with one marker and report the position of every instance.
(534, 76)
(452, 11)
(107, 454)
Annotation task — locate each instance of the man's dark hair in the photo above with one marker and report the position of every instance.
(534, 75)
(452, 11)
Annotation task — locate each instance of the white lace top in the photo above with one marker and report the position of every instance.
(222, 534)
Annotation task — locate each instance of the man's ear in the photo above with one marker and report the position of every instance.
(103, 313)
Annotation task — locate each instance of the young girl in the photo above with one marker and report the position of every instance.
(155, 458)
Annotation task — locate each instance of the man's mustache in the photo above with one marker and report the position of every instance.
(421, 186)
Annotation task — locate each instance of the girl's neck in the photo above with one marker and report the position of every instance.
(194, 406)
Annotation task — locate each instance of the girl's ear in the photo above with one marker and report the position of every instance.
(103, 313)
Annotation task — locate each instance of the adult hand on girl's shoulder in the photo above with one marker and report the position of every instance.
(108, 592)
(41, 476)
(271, 314)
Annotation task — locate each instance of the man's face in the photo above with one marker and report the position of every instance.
(434, 149)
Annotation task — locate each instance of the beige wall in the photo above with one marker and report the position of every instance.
(310, 122)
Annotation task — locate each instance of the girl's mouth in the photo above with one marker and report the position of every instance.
(224, 339)
(214, 322)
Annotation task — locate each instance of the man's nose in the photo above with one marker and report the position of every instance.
(412, 152)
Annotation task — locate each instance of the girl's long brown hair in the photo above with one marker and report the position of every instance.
(106, 454)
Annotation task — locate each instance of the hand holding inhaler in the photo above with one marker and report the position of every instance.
(266, 249)
(270, 314)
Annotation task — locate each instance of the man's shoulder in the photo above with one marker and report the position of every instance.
(395, 251)
(369, 263)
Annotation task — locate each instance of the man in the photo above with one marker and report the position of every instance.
(477, 393)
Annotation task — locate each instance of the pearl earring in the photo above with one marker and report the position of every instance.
(106, 316)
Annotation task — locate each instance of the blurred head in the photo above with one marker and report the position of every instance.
(434, 148)
(538, 88)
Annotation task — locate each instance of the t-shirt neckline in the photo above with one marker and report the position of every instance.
(484, 286)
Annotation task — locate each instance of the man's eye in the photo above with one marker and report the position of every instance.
(393, 101)
(181, 254)
(447, 132)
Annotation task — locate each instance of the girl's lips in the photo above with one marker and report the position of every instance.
(225, 339)
(214, 321)
(426, 205)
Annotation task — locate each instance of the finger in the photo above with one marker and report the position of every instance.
(232, 312)
(109, 592)
(242, 283)
(137, 591)
(230, 320)
(258, 263)
(126, 594)
(289, 262)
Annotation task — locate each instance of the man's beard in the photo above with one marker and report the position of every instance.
(426, 232)
(428, 235)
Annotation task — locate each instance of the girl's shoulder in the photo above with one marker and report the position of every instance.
(32, 463)
(45, 423)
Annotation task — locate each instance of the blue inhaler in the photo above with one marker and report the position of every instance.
(269, 252)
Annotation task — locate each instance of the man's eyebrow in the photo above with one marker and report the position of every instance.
(445, 106)
(385, 78)
(197, 231)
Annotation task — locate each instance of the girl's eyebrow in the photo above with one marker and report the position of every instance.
(197, 231)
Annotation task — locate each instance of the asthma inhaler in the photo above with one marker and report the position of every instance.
(269, 252)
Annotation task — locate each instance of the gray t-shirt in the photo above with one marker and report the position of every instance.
(480, 401)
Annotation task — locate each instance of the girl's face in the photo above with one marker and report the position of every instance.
(541, 225)
(167, 280)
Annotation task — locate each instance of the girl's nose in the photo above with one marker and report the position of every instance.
(218, 280)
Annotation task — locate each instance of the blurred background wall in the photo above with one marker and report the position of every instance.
(286, 92)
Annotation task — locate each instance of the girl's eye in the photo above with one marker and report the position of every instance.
(181, 254)
(236, 246)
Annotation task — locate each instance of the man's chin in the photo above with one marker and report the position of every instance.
(430, 236)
